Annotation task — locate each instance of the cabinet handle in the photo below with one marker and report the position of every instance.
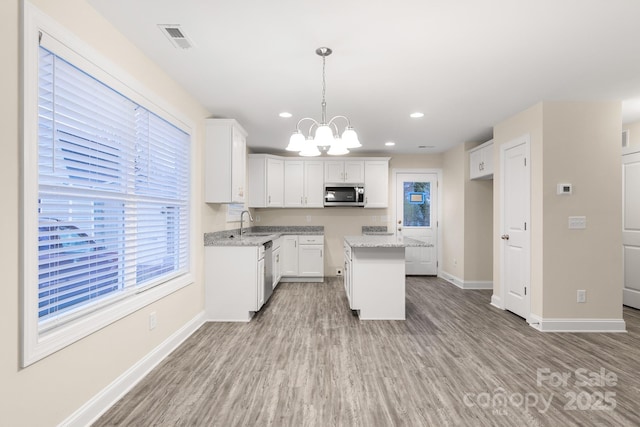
(305, 200)
(269, 199)
(320, 253)
(366, 200)
(295, 244)
(301, 200)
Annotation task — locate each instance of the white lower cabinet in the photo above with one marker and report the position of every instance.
(302, 258)
(310, 256)
(234, 282)
(289, 251)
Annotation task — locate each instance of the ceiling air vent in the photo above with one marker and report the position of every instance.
(176, 36)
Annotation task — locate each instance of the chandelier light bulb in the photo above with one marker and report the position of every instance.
(324, 136)
(309, 148)
(296, 142)
(338, 148)
(350, 138)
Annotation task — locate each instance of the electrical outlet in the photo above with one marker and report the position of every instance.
(153, 320)
(582, 295)
(338, 271)
(257, 218)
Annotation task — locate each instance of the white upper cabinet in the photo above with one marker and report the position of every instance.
(266, 181)
(225, 161)
(351, 171)
(376, 183)
(481, 161)
(313, 184)
(303, 183)
(294, 183)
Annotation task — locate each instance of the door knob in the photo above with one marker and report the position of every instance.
(505, 237)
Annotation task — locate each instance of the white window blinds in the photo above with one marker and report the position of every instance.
(113, 194)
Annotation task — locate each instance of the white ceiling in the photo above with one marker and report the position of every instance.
(467, 64)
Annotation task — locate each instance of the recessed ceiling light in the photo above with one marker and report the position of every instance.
(285, 115)
(425, 146)
(390, 143)
(416, 115)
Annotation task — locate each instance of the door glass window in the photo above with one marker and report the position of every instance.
(417, 204)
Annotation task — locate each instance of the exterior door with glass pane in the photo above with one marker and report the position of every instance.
(416, 217)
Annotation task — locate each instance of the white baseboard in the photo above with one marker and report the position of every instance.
(302, 279)
(100, 403)
(577, 325)
(496, 301)
(631, 298)
(469, 284)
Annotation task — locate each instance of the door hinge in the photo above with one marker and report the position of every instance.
(525, 290)
(525, 226)
(525, 161)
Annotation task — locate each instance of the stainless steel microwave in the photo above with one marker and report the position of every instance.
(344, 195)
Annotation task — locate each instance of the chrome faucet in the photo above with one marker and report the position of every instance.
(242, 221)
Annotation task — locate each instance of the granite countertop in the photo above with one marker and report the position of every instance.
(375, 230)
(384, 242)
(256, 236)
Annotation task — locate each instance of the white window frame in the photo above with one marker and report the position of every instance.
(37, 344)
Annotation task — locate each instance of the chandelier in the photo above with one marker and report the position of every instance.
(326, 132)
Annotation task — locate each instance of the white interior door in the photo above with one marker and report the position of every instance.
(516, 200)
(631, 228)
(417, 217)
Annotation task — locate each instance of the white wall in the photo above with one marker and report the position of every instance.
(579, 143)
(467, 220)
(48, 391)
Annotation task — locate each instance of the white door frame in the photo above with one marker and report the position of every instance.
(438, 173)
(630, 297)
(526, 139)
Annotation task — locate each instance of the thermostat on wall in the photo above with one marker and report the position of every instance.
(565, 189)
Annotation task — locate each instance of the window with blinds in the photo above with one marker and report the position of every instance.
(113, 194)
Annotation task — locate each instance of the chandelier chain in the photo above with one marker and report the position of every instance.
(324, 88)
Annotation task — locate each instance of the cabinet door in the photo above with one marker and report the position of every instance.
(311, 261)
(313, 184)
(275, 183)
(487, 160)
(260, 284)
(238, 168)
(475, 161)
(293, 183)
(334, 171)
(289, 251)
(277, 267)
(225, 161)
(354, 171)
(348, 282)
(376, 184)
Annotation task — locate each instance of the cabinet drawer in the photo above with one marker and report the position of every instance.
(311, 240)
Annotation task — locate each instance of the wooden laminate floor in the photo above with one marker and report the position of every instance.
(305, 360)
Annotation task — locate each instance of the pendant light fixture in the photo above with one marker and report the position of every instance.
(326, 133)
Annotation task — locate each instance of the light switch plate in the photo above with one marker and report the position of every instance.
(577, 222)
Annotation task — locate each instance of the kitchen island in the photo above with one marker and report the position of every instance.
(374, 275)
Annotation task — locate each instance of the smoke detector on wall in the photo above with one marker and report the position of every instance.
(176, 36)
